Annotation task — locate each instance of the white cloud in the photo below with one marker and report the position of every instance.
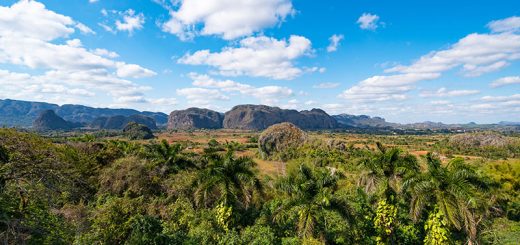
(93, 1)
(334, 42)
(84, 29)
(229, 19)
(382, 88)
(326, 85)
(76, 43)
(509, 104)
(105, 53)
(475, 54)
(201, 96)
(131, 21)
(132, 70)
(514, 97)
(256, 56)
(368, 21)
(511, 24)
(267, 94)
(38, 22)
(443, 92)
(505, 81)
(31, 36)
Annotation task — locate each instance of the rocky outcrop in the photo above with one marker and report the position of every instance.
(195, 118)
(361, 121)
(479, 140)
(277, 141)
(259, 117)
(136, 131)
(48, 120)
(119, 122)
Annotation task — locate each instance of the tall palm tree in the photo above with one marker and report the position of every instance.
(227, 180)
(384, 170)
(453, 189)
(309, 194)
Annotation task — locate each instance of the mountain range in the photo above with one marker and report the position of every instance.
(17, 113)
(26, 114)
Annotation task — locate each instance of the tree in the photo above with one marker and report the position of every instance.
(312, 196)
(452, 189)
(170, 156)
(384, 170)
(4, 158)
(227, 179)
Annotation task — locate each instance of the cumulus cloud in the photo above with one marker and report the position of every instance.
(443, 92)
(511, 24)
(475, 54)
(131, 21)
(105, 53)
(207, 90)
(229, 19)
(256, 56)
(31, 36)
(505, 81)
(382, 88)
(30, 19)
(266, 94)
(334, 42)
(368, 21)
(499, 104)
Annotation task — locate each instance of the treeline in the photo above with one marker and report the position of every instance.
(90, 191)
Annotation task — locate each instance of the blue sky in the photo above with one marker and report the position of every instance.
(407, 61)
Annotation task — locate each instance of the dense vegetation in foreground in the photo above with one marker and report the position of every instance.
(94, 191)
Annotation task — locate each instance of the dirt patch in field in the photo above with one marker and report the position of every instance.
(419, 153)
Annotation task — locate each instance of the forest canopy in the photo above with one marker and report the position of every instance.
(97, 190)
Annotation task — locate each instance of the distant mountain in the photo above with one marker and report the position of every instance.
(362, 121)
(509, 123)
(120, 122)
(17, 113)
(48, 120)
(195, 118)
(259, 117)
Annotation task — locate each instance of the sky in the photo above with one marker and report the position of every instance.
(406, 61)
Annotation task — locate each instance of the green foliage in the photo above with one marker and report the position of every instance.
(112, 220)
(311, 199)
(454, 189)
(146, 230)
(87, 190)
(227, 179)
(223, 215)
(502, 231)
(436, 229)
(135, 131)
(385, 221)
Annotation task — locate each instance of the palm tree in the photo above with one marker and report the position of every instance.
(227, 180)
(383, 171)
(453, 189)
(171, 156)
(309, 194)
